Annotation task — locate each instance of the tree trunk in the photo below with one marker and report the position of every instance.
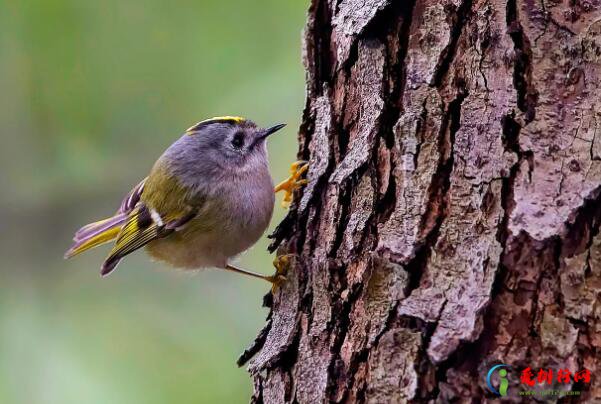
(451, 218)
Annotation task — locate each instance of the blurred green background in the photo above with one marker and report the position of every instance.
(91, 93)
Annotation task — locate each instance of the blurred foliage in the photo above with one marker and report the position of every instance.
(92, 93)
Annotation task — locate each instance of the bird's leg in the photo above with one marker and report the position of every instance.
(281, 264)
(294, 182)
(233, 268)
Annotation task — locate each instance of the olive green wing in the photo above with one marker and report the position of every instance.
(162, 206)
(143, 226)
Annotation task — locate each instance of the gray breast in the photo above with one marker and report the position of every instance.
(245, 209)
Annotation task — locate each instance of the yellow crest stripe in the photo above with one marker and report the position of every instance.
(215, 119)
(236, 119)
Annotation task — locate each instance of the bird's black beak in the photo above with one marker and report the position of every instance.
(272, 130)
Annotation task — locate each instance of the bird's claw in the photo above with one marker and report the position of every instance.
(294, 182)
(281, 264)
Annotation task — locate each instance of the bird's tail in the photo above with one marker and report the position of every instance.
(95, 234)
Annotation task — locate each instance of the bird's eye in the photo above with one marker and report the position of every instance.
(238, 140)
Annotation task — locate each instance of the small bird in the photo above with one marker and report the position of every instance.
(208, 198)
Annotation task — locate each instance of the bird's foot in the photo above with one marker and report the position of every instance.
(282, 264)
(294, 182)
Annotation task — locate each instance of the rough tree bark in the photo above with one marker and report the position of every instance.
(452, 213)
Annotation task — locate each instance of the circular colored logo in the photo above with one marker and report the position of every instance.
(503, 383)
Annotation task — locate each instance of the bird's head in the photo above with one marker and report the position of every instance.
(221, 145)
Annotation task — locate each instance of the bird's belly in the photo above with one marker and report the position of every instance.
(201, 245)
(195, 250)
